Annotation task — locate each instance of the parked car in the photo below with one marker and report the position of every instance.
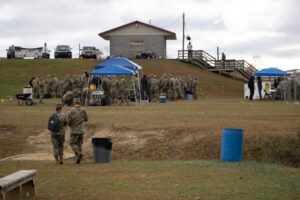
(63, 51)
(89, 52)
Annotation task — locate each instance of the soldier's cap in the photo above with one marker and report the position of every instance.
(77, 100)
(59, 106)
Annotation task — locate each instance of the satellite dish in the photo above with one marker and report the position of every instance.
(188, 38)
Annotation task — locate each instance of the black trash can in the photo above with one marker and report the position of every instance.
(102, 149)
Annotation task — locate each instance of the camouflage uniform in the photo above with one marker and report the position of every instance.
(195, 88)
(85, 95)
(122, 90)
(189, 85)
(181, 87)
(76, 118)
(171, 88)
(35, 85)
(164, 84)
(41, 90)
(106, 85)
(136, 85)
(68, 98)
(66, 85)
(48, 82)
(151, 87)
(58, 138)
(114, 90)
(156, 88)
(55, 87)
(77, 86)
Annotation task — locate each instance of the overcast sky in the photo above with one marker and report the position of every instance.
(266, 33)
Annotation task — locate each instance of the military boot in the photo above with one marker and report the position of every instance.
(79, 158)
(56, 160)
(61, 160)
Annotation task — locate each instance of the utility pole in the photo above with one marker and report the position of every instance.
(218, 52)
(79, 50)
(183, 24)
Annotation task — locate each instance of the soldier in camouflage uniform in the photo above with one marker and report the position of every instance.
(122, 90)
(164, 84)
(55, 87)
(48, 82)
(77, 85)
(171, 87)
(106, 85)
(85, 96)
(58, 138)
(136, 86)
(151, 86)
(195, 88)
(180, 87)
(66, 85)
(156, 88)
(35, 85)
(41, 90)
(68, 98)
(114, 90)
(76, 118)
(189, 85)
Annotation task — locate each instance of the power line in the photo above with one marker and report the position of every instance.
(175, 21)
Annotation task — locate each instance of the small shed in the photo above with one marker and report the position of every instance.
(138, 38)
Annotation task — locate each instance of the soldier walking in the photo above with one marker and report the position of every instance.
(58, 138)
(76, 118)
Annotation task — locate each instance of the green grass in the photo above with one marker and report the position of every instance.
(161, 180)
(16, 73)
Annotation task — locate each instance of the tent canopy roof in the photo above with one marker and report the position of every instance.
(272, 71)
(124, 62)
(113, 70)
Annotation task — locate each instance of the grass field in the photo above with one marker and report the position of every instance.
(161, 180)
(15, 74)
(159, 149)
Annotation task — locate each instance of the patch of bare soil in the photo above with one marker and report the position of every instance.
(125, 141)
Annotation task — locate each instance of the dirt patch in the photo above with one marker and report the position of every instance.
(128, 140)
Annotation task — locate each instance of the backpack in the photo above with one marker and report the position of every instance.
(53, 123)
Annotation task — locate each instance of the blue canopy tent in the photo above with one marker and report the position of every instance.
(272, 71)
(124, 62)
(114, 70)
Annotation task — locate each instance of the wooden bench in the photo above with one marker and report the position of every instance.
(19, 185)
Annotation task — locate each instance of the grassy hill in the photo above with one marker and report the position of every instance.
(16, 73)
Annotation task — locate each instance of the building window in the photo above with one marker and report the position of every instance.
(137, 46)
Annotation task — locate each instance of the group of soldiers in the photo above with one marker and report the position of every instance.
(115, 88)
(149, 88)
(67, 89)
(168, 85)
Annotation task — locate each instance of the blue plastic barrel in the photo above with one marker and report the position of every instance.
(189, 97)
(232, 145)
(162, 99)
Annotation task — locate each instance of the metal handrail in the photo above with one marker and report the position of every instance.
(202, 56)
